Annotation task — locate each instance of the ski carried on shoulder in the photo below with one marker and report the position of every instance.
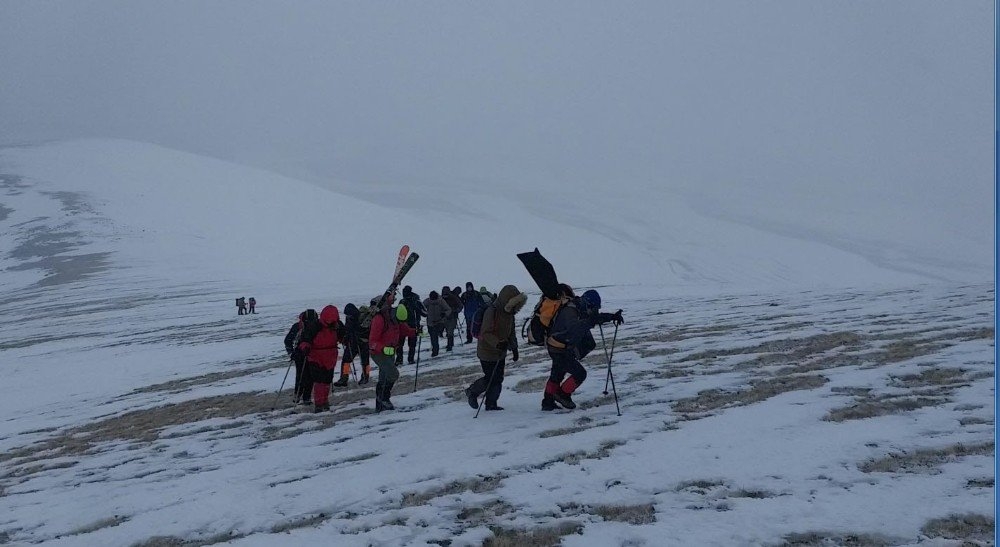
(403, 265)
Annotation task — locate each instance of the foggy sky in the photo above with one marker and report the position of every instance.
(857, 97)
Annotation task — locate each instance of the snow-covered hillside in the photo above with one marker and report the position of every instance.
(132, 209)
(776, 384)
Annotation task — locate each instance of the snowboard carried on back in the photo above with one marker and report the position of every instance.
(536, 328)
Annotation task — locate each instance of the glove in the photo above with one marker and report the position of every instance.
(420, 329)
(389, 350)
(618, 319)
(514, 355)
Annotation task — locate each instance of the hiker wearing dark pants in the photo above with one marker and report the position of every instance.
(415, 310)
(496, 336)
(437, 313)
(569, 341)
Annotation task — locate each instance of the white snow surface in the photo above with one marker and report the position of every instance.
(761, 372)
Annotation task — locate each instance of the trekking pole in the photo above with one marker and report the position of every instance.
(611, 376)
(356, 350)
(416, 373)
(278, 394)
(488, 385)
(609, 357)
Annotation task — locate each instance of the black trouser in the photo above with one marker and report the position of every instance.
(303, 381)
(468, 327)
(491, 382)
(412, 341)
(563, 363)
(434, 331)
(449, 331)
(353, 350)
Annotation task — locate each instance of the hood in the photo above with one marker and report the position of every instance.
(433, 295)
(351, 310)
(329, 315)
(511, 299)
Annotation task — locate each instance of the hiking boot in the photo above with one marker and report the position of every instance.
(494, 407)
(378, 405)
(305, 402)
(364, 380)
(410, 361)
(434, 354)
(548, 404)
(563, 399)
(342, 382)
(385, 404)
(473, 398)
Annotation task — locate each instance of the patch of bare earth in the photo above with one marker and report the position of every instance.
(791, 348)
(978, 529)
(632, 514)
(536, 537)
(931, 387)
(484, 514)
(759, 390)
(831, 539)
(925, 460)
(477, 485)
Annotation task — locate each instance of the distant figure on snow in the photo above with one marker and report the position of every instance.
(241, 306)
(253, 305)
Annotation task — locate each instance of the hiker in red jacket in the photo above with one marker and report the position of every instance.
(387, 331)
(319, 344)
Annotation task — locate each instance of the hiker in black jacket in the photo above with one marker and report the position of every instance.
(415, 310)
(355, 343)
(303, 386)
(570, 340)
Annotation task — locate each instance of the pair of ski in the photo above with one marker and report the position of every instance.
(404, 263)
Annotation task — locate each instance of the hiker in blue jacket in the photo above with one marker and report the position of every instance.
(471, 301)
(569, 341)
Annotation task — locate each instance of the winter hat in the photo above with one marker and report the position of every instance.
(373, 301)
(566, 290)
(457, 291)
(407, 290)
(592, 299)
(434, 295)
(401, 313)
(484, 290)
(350, 310)
(470, 286)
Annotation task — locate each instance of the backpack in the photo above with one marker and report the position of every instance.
(365, 317)
(536, 328)
(477, 320)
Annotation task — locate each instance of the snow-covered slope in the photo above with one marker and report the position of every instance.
(142, 210)
(760, 403)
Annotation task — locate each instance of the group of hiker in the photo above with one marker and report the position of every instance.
(242, 305)
(379, 331)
